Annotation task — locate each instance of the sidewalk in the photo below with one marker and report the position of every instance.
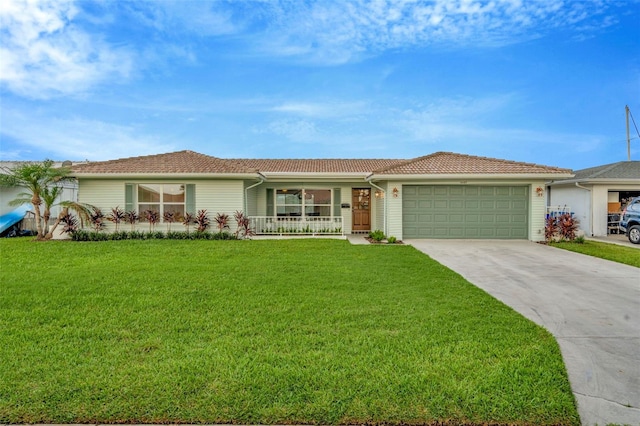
(618, 239)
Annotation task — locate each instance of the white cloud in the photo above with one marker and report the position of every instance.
(204, 18)
(335, 32)
(44, 54)
(321, 109)
(77, 138)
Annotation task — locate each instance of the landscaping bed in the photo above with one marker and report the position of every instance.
(268, 332)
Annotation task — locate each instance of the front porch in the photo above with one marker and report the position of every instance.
(296, 225)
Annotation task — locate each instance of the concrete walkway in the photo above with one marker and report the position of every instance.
(617, 239)
(591, 306)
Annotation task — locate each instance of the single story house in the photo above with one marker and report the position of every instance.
(442, 195)
(597, 195)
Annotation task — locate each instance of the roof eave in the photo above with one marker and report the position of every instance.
(314, 175)
(619, 181)
(470, 176)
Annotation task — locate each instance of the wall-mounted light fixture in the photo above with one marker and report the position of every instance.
(379, 194)
(540, 191)
(395, 192)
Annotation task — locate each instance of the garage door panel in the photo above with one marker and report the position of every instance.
(471, 191)
(441, 204)
(433, 211)
(485, 205)
(520, 191)
(456, 217)
(518, 205)
(441, 218)
(471, 218)
(487, 218)
(503, 204)
(424, 190)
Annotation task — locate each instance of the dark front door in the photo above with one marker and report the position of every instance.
(360, 207)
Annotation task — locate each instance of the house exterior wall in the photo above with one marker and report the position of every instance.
(379, 206)
(214, 196)
(394, 210)
(600, 199)
(537, 211)
(576, 200)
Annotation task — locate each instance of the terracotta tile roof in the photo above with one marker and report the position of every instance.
(174, 162)
(336, 165)
(193, 162)
(451, 163)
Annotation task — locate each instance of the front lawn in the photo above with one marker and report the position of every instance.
(614, 252)
(273, 332)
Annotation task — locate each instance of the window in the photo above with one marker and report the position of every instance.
(307, 202)
(162, 198)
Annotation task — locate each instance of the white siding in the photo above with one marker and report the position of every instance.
(537, 212)
(394, 211)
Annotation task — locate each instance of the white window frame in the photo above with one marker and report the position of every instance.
(304, 204)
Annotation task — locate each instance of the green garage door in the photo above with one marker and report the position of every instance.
(434, 211)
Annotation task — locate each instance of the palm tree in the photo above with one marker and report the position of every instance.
(42, 183)
(49, 196)
(38, 179)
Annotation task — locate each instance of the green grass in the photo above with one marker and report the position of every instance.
(273, 332)
(614, 252)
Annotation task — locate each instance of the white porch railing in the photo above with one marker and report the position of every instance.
(305, 225)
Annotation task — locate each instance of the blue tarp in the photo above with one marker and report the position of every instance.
(13, 217)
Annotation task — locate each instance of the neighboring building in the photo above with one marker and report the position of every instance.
(442, 195)
(597, 195)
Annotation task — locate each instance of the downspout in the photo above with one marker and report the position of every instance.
(590, 206)
(384, 203)
(246, 192)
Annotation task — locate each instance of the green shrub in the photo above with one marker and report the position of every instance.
(392, 240)
(377, 235)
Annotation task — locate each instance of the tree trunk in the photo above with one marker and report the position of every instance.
(36, 202)
(62, 214)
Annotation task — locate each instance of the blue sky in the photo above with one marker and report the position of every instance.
(537, 81)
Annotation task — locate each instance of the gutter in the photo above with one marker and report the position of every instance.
(246, 191)
(384, 204)
(590, 205)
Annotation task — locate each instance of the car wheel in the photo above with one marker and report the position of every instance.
(634, 234)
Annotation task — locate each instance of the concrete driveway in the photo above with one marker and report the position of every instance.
(591, 306)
